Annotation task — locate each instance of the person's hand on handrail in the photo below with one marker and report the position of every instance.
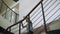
(27, 20)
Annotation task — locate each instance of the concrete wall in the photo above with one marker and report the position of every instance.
(26, 5)
(54, 25)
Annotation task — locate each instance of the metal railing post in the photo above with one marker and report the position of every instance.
(45, 27)
(19, 28)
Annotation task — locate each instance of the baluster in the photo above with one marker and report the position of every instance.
(44, 18)
(19, 28)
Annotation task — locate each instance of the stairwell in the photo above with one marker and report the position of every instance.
(51, 9)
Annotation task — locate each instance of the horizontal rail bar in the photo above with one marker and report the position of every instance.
(41, 10)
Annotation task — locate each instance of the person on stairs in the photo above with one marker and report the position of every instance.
(29, 25)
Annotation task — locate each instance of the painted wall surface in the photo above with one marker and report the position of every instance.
(4, 22)
(26, 6)
(55, 25)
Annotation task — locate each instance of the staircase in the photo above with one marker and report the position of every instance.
(42, 16)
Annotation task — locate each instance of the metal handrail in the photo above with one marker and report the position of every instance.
(26, 15)
(47, 14)
(44, 8)
(39, 17)
(51, 15)
(39, 8)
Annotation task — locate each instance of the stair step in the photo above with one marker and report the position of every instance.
(54, 32)
(3, 31)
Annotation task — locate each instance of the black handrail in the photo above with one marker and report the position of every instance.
(45, 11)
(52, 14)
(47, 14)
(44, 8)
(39, 12)
(26, 15)
(9, 7)
(38, 9)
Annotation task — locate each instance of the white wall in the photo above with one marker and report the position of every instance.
(26, 6)
(55, 25)
(4, 22)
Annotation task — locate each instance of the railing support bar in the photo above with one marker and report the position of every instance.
(19, 28)
(45, 27)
